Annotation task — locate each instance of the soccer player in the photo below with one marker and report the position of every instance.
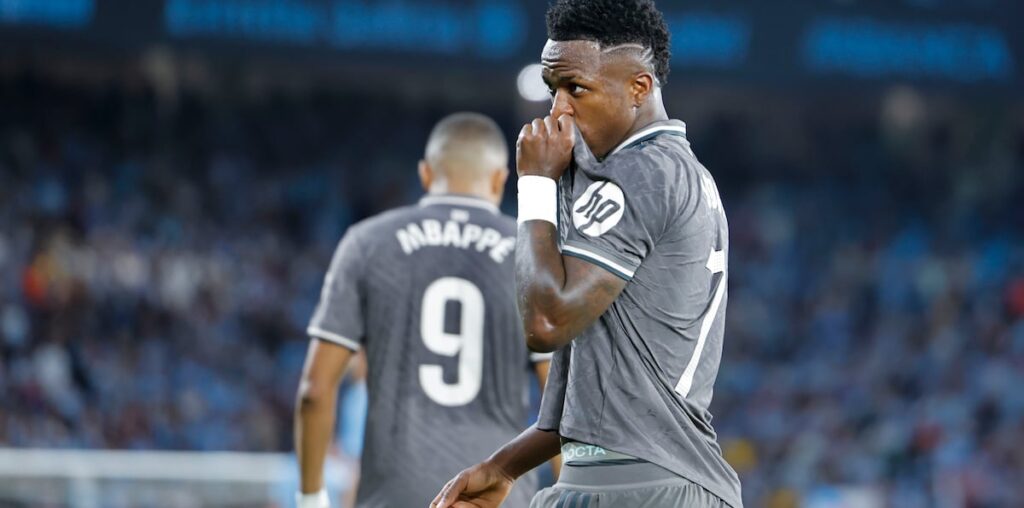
(428, 291)
(621, 268)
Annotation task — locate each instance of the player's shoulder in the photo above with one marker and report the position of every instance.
(655, 162)
(378, 227)
(382, 227)
(468, 209)
(660, 153)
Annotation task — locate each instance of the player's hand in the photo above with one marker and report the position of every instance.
(481, 486)
(544, 147)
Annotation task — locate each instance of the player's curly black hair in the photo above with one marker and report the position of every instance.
(613, 22)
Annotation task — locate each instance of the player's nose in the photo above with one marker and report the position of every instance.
(561, 105)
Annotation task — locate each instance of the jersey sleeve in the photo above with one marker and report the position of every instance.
(339, 316)
(553, 400)
(617, 217)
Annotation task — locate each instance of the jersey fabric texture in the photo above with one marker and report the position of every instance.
(429, 292)
(640, 379)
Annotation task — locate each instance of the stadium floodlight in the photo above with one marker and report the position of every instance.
(531, 85)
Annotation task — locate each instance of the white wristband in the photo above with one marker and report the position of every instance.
(538, 199)
(315, 500)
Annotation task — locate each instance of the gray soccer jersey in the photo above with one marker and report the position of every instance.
(639, 380)
(429, 292)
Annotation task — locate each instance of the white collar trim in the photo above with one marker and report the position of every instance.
(459, 201)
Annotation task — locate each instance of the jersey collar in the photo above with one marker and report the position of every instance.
(458, 200)
(673, 127)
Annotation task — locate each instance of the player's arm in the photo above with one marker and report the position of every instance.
(487, 484)
(315, 410)
(336, 328)
(542, 368)
(559, 296)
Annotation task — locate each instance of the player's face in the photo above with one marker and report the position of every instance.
(593, 87)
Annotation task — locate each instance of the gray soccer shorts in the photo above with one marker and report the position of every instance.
(642, 485)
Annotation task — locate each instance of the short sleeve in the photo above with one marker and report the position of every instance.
(618, 214)
(553, 401)
(339, 316)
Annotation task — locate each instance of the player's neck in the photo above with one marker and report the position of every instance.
(461, 189)
(652, 111)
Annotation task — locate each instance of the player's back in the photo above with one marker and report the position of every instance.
(447, 361)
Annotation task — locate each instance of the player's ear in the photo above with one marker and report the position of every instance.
(641, 88)
(498, 179)
(426, 175)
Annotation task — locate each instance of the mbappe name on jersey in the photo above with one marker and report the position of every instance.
(452, 233)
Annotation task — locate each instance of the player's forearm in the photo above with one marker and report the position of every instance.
(543, 369)
(541, 281)
(527, 451)
(314, 422)
(559, 296)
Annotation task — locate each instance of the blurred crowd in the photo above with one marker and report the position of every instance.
(875, 331)
(161, 267)
(161, 259)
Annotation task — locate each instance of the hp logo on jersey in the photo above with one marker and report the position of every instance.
(599, 209)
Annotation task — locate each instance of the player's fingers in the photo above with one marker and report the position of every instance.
(524, 132)
(437, 499)
(451, 492)
(538, 126)
(567, 126)
(550, 126)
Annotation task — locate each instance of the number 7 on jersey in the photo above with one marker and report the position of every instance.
(716, 265)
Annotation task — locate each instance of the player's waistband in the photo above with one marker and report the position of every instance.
(583, 454)
(617, 477)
